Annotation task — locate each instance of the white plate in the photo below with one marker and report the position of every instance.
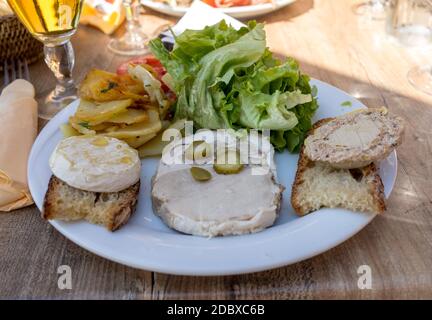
(236, 12)
(146, 243)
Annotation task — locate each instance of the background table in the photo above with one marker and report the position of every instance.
(333, 45)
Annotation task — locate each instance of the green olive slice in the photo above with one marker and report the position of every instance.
(225, 164)
(200, 174)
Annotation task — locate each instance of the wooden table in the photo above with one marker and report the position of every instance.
(333, 45)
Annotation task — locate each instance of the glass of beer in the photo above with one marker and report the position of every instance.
(53, 22)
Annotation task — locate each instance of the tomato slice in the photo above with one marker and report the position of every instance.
(150, 60)
(210, 3)
(231, 3)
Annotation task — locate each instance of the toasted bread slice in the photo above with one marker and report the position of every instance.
(319, 185)
(112, 209)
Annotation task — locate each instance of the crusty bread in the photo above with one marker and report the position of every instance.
(318, 185)
(112, 210)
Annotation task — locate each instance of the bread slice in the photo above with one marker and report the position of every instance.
(112, 209)
(319, 185)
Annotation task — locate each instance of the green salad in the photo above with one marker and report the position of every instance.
(228, 78)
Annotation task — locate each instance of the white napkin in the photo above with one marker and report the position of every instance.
(18, 129)
(198, 16)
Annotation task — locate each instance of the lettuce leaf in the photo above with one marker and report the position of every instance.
(227, 78)
(265, 111)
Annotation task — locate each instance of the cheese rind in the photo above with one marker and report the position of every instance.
(95, 163)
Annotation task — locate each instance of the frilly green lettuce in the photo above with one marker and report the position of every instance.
(227, 78)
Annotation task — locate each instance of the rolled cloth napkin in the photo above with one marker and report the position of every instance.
(18, 130)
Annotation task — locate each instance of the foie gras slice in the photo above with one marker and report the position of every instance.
(356, 139)
(226, 204)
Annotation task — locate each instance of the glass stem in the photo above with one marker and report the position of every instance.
(378, 4)
(132, 15)
(61, 59)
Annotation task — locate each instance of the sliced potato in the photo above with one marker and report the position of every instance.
(132, 89)
(96, 113)
(130, 116)
(102, 126)
(164, 108)
(136, 142)
(99, 85)
(111, 128)
(152, 148)
(104, 86)
(155, 146)
(165, 124)
(68, 131)
(81, 126)
(153, 125)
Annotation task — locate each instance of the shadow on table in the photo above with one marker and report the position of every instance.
(369, 94)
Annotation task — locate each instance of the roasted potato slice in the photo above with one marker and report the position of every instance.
(99, 85)
(111, 128)
(152, 148)
(130, 116)
(133, 89)
(152, 126)
(155, 146)
(102, 126)
(96, 113)
(68, 131)
(82, 127)
(164, 108)
(104, 86)
(136, 142)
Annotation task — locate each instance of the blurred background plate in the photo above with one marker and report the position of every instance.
(236, 12)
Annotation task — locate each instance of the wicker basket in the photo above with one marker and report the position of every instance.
(16, 42)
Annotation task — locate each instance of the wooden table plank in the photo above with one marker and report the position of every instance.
(333, 45)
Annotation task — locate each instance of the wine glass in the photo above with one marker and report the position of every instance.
(375, 9)
(53, 22)
(410, 21)
(133, 42)
(421, 78)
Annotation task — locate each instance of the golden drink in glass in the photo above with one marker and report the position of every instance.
(53, 22)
